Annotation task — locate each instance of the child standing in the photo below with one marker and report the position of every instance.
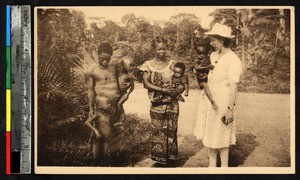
(201, 68)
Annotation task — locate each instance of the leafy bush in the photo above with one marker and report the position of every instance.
(67, 144)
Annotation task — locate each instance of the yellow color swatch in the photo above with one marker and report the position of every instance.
(8, 110)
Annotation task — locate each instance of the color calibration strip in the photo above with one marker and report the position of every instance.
(8, 90)
(18, 90)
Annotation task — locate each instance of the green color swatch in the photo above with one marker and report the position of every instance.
(8, 68)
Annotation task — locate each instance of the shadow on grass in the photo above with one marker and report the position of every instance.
(189, 147)
(245, 145)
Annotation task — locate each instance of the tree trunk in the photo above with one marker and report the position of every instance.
(281, 29)
(237, 27)
(244, 18)
(282, 20)
(177, 32)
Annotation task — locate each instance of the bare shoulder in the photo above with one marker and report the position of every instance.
(112, 68)
(172, 64)
(90, 71)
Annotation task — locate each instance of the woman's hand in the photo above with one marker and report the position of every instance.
(228, 116)
(173, 91)
(168, 91)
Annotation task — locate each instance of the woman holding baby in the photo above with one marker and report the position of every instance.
(164, 110)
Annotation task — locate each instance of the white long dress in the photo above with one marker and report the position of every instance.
(209, 126)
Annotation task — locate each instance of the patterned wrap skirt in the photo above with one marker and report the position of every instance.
(164, 122)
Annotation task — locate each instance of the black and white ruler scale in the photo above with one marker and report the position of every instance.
(21, 89)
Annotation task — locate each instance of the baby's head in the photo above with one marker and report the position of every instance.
(104, 54)
(127, 64)
(178, 70)
(201, 52)
(197, 33)
(103, 103)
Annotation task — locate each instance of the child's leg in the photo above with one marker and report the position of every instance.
(224, 154)
(96, 150)
(106, 131)
(209, 95)
(92, 134)
(120, 119)
(121, 115)
(212, 157)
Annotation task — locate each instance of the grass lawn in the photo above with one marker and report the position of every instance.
(263, 135)
(263, 128)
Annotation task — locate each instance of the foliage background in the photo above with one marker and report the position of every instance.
(66, 47)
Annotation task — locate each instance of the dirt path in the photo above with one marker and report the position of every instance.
(263, 129)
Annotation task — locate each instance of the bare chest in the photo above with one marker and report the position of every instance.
(101, 75)
(159, 65)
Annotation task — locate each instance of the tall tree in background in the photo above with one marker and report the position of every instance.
(139, 33)
(185, 25)
(258, 41)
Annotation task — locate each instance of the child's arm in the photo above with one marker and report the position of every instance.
(131, 84)
(125, 96)
(89, 124)
(185, 82)
(180, 89)
(186, 93)
(199, 67)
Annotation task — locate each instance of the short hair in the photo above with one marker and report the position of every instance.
(180, 65)
(158, 40)
(226, 41)
(203, 41)
(205, 49)
(105, 48)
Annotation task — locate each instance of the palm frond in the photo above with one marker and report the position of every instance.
(66, 122)
(83, 63)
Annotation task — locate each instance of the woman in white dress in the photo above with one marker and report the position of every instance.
(216, 128)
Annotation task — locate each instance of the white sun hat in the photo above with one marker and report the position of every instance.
(221, 30)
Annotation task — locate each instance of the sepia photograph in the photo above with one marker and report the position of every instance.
(164, 90)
